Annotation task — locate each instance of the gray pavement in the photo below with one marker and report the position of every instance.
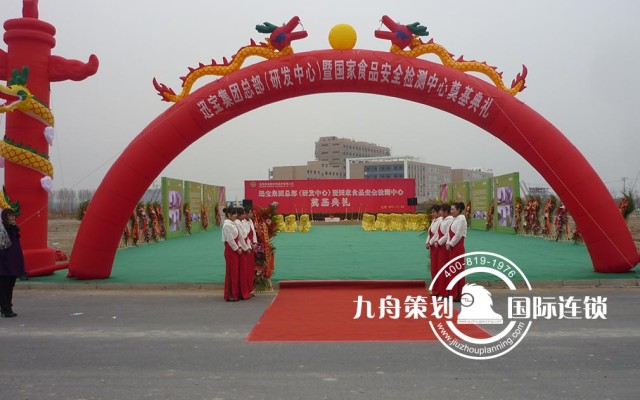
(190, 344)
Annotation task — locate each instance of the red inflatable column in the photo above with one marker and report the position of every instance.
(29, 43)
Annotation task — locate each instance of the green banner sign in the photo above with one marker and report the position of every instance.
(481, 198)
(193, 192)
(506, 189)
(459, 192)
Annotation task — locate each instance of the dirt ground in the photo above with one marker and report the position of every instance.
(62, 231)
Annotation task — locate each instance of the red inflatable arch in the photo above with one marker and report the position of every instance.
(605, 233)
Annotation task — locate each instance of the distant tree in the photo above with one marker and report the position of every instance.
(85, 195)
(66, 200)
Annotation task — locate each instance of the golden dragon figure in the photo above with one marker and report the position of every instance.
(16, 96)
(278, 45)
(403, 36)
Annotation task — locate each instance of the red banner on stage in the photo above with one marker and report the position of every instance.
(333, 195)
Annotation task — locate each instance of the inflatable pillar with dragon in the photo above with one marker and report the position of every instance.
(29, 68)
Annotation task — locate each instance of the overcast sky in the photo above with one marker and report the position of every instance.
(582, 58)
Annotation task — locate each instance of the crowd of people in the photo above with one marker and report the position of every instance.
(240, 242)
(445, 242)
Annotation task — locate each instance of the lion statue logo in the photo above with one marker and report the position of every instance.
(477, 306)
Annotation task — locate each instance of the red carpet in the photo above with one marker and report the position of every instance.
(319, 311)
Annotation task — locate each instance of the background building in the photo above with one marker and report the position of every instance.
(428, 176)
(342, 158)
(289, 172)
(331, 154)
(474, 174)
(312, 170)
(334, 152)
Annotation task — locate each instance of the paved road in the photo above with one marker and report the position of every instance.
(100, 344)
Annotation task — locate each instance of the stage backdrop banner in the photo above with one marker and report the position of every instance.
(172, 202)
(193, 194)
(333, 196)
(481, 198)
(506, 189)
(459, 192)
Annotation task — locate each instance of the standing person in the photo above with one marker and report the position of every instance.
(252, 239)
(432, 237)
(232, 252)
(455, 246)
(243, 228)
(11, 261)
(442, 253)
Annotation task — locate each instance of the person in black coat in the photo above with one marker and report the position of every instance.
(11, 261)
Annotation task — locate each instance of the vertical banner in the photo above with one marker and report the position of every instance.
(481, 199)
(459, 192)
(193, 196)
(506, 189)
(444, 192)
(172, 202)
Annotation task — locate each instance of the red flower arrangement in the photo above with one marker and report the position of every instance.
(216, 211)
(135, 230)
(548, 213)
(266, 229)
(158, 209)
(126, 235)
(154, 226)
(627, 205)
(204, 217)
(624, 204)
(490, 217)
(576, 236)
(187, 217)
(532, 222)
(143, 222)
(518, 216)
(146, 222)
(561, 222)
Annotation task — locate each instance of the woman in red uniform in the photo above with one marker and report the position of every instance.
(455, 247)
(232, 252)
(432, 237)
(441, 252)
(243, 227)
(252, 241)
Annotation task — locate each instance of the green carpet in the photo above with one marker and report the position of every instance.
(342, 252)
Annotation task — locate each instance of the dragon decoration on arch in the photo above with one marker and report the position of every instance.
(403, 36)
(278, 44)
(16, 96)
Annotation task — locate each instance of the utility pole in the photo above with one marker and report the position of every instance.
(624, 184)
